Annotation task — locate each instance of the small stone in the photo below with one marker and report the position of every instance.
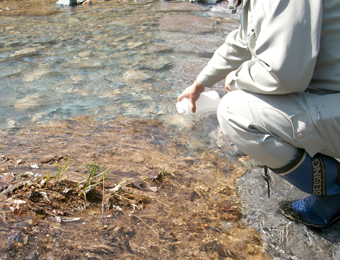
(225, 206)
(25, 240)
(24, 52)
(34, 166)
(48, 159)
(8, 177)
(20, 161)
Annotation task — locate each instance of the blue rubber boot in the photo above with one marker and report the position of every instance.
(319, 176)
(315, 211)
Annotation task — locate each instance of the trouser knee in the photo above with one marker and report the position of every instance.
(249, 134)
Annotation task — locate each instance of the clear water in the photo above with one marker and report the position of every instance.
(106, 60)
(113, 59)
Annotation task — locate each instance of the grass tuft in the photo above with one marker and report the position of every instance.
(62, 170)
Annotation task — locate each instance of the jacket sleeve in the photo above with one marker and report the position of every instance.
(228, 57)
(283, 38)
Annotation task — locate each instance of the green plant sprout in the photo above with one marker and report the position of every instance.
(101, 176)
(47, 176)
(62, 170)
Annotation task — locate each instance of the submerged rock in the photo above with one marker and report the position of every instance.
(183, 6)
(186, 23)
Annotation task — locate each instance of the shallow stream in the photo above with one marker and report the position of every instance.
(100, 82)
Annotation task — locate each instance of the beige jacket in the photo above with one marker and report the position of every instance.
(282, 46)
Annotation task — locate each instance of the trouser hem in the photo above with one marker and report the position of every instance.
(299, 158)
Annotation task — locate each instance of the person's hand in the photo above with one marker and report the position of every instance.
(192, 93)
(226, 84)
(227, 88)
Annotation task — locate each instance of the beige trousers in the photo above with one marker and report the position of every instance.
(270, 128)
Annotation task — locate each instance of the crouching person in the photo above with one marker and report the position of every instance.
(283, 107)
(296, 136)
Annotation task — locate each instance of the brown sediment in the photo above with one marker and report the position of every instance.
(159, 200)
(27, 7)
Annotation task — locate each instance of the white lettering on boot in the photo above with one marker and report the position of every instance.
(319, 176)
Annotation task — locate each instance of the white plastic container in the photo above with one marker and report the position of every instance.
(208, 101)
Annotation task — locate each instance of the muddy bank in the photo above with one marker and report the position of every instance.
(159, 198)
